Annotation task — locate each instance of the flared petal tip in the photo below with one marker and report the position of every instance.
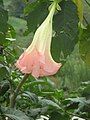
(53, 69)
(37, 65)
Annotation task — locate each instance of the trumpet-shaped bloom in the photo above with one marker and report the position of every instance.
(37, 58)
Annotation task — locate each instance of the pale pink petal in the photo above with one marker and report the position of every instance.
(37, 64)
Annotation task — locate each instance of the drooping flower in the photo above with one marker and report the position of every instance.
(37, 58)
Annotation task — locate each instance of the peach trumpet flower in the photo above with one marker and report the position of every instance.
(37, 58)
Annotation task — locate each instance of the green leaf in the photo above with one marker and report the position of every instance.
(76, 103)
(41, 82)
(3, 24)
(4, 88)
(37, 111)
(86, 91)
(79, 4)
(3, 20)
(30, 7)
(46, 102)
(36, 17)
(86, 11)
(4, 72)
(16, 114)
(31, 96)
(56, 115)
(66, 30)
(84, 45)
(78, 99)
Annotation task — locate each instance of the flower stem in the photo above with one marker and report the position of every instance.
(14, 95)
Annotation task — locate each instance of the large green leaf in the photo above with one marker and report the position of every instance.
(36, 17)
(66, 29)
(3, 24)
(86, 11)
(4, 72)
(16, 115)
(33, 98)
(3, 20)
(56, 115)
(4, 88)
(30, 7)
(37, 111)
(46, 102)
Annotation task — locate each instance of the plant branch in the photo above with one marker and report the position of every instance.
(14, 95)
(21, 83)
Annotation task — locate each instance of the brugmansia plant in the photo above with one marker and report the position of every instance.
(37, 58)
(30, 89)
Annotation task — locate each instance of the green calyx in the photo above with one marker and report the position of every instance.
(55, 4)
(56, 1)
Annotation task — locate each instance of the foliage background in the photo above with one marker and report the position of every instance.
(57, 97)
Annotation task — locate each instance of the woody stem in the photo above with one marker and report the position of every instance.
(15, 93)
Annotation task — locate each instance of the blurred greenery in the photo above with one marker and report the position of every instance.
(85, 45)
(58, 97)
